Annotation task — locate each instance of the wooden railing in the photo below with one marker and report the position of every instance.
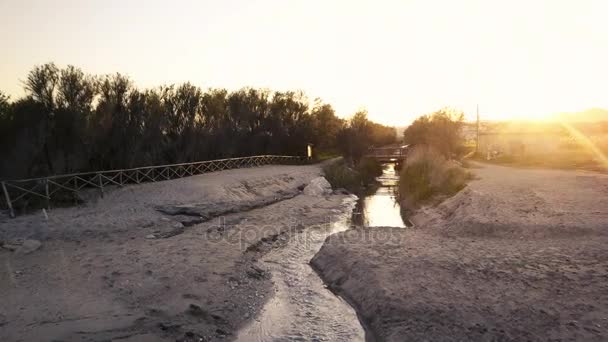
(45, 187)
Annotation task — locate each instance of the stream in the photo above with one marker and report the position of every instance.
(302, 308)
(381, 209)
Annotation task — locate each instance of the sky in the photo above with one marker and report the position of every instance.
(397, 59)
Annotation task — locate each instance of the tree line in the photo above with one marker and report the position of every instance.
(71, 121)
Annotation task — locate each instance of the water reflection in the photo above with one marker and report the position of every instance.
(381, 208)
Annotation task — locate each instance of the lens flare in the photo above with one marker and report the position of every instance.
(585, 142)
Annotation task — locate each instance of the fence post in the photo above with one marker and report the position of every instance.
(75, 191)
(8, 201)
(100, 184)
(48, 196)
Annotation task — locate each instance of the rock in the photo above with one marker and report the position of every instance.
(28, 247)
(318, 187)
(150, 236)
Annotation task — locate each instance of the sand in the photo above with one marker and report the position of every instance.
(119, 269)
(519, 254)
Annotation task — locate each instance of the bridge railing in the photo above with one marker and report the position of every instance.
(48, 188)
(388, 152)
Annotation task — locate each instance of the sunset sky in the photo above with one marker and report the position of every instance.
(398, 59)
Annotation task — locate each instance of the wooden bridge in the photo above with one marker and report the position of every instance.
(388, 154)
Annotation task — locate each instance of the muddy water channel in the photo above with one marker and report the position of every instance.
(302, 308)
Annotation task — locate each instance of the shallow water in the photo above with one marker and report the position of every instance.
(381, 208)
(303, 309)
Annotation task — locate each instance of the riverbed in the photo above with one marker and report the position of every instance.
(303, 308)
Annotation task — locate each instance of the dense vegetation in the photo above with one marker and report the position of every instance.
(427, 173)
(440, 130)
(343, 175)
(430, 168)
(70, 121)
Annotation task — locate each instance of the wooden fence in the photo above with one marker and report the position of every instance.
(45, 187)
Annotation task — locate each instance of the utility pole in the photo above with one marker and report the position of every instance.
(477, 140)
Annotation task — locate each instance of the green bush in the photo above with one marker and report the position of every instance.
(427, 173)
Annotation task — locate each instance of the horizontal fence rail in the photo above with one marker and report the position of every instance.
(62, 186)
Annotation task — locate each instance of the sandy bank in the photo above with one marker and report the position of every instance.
(120, 269)
(518, 255)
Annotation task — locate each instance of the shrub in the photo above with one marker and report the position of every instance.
(369, 169)
(452, 179)
(440, 130)
(340, 175)
(427, 173)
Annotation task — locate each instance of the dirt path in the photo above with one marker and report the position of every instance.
(518, 255)
(120, 269)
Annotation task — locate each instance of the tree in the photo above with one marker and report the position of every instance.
(112, 128)
(40, 86)
(326, 125)
(440, 130)
(4, 105)
(41, 83)
(70, 121)
(361, 134)
(75, 94)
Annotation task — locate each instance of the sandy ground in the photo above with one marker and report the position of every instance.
(119, 269)
(302, 308)
(520, 254)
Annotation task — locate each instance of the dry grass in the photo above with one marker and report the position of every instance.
(426, 173)
(572, 147)
(568, 158)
